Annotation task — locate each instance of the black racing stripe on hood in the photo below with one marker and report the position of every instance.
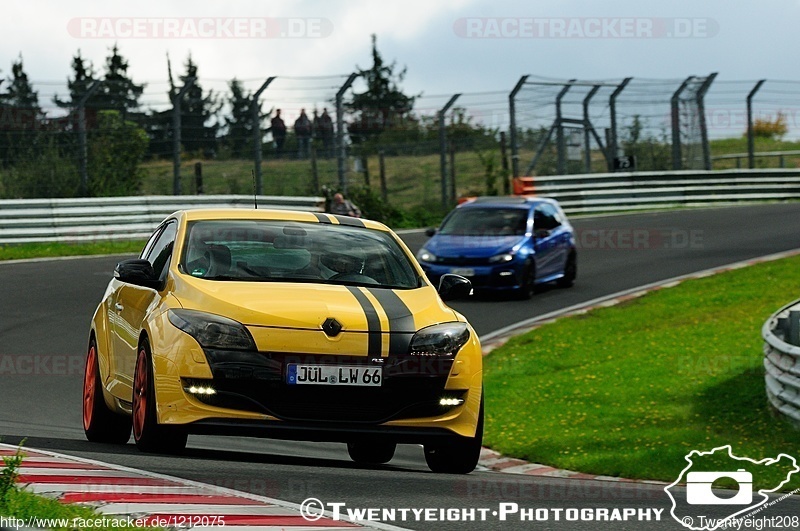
(373, 322)
(401, 322)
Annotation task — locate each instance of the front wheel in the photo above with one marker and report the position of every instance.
(458, 456)
(150, 436)
(527, 286)
(100, 424)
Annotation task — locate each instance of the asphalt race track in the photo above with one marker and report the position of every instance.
(45, 308)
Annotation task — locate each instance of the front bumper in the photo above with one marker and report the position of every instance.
(253, 398)
(507, 276)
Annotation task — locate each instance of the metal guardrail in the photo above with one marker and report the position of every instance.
(781, 333)
(110, 218)
(610, 192)
(758, 154)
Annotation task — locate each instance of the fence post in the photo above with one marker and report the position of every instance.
(83, 148)
(443, 146)
(341, 149)
(562, 158)
(701, 111)
(198, 178)
(255, 110)
(176, 135)
(612, 144)
(677, 159)
(751, 159)
(504, 162)
(587, 154)
(314, 170)
(382, 171)
(512, 112)
(452, 172)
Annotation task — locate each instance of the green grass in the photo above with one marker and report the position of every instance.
(41, 250)
(26, 505)
(727, 146)
(629, 390)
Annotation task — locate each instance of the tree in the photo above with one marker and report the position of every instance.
(83, 75)
(383, 105)
(19, 91)
(20, 114)
(198, 115)
(239, 123)
(118, 91)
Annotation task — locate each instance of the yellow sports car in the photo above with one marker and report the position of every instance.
(291, 325)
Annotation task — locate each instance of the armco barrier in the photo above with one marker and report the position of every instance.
(782, 361)
(108, 218)
(609, 192)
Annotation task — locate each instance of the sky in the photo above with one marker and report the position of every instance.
(476, 47)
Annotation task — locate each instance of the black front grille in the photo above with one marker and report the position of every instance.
(255, 381)
(461, 260)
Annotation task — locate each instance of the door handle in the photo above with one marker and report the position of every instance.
(119, 307)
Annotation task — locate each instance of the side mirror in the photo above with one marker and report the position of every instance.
(138, 272)
(452, 287)
(430, 231)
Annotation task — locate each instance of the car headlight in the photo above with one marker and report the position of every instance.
(439, 340)
(505, 257)
(213, 331)
(425, 255)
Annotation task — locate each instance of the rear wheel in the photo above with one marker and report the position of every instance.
(150, 436)
(460, 455)
(371, 453)
(570, 272)
(100, 423)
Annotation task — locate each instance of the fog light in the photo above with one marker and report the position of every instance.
(451, 401)
(506, 273)
(201, 390)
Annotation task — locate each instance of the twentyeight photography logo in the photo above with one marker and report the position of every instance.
(720, 488)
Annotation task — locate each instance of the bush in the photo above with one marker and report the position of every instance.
(766, 128)
(10, 473)
(116, 148)
(44, 172)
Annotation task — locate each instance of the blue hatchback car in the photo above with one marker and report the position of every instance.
(503, 243)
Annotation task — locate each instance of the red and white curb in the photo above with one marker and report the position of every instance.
(495, 461)
(115, 491)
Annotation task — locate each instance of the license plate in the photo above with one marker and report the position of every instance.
(463, 271)
(297, 374)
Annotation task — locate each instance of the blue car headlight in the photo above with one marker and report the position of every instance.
(444, 339)
(425, 255)
(502, 258)
(213, 331)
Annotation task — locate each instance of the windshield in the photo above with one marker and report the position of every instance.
(283, 251)
(486, 222)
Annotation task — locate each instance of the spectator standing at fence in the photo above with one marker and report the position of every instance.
(344, 207)
(278, 128)
(326, 133)
(302, 129)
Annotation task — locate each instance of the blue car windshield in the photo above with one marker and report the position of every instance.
(288, 251)
(486, 222)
